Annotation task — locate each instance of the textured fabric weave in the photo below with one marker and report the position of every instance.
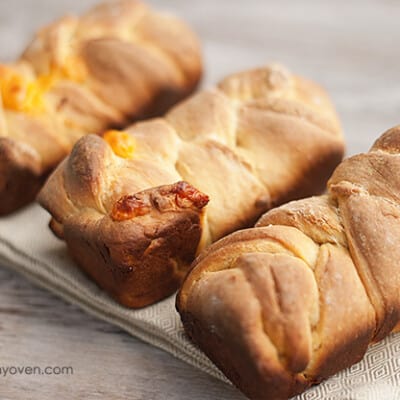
(28, 246)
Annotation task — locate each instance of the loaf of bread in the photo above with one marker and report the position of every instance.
(131, 205)
(282, 306)
(119, 62)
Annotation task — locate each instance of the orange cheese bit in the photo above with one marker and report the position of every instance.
(24, 94)
(122, 143)
(19, 93)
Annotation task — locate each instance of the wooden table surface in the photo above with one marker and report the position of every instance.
(349, 46)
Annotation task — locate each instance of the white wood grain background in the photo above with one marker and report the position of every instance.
(350, 46)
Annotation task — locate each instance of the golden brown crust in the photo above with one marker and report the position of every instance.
(119, 62)
(248, 144)
(138, 257)
(137, 260)
(301, 296)
(20, 175)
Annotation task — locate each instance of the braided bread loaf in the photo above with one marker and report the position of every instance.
(259, 138)
(120, 61)
(285, 305)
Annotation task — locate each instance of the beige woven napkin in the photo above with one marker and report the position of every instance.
(27, 246)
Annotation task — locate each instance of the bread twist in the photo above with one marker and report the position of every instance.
(287, 304)
(120, 61)
(259, 138)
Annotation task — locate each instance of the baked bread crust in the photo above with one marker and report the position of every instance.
(259, 138)
(282, 306)
(119, 62)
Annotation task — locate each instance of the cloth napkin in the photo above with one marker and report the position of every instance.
(28, 246)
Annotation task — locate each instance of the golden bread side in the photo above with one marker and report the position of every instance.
(257, 139)
(302, 295)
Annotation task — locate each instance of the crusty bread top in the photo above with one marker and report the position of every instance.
(120, 61)
(303, 294)
(258, 137)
